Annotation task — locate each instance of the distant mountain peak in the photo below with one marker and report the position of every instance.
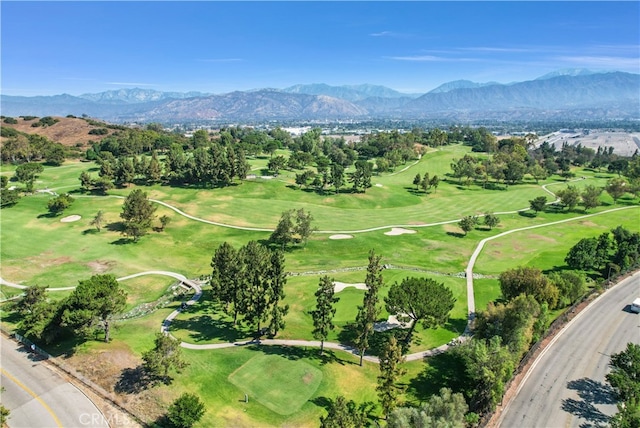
(348, 92)
(573, 72)
(459, 84)
(137, 95)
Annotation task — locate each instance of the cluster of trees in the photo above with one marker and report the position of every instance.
(513, 158)
(59, 203)
(609, 253)
(294, 227)
(249, 285)
(624, 378)
(27, 173)
(445, 409)
(212, 166)
(469, 222)
(425, 182)
(20, 147)
(508, 165)
(8, 198)
(413, 300)
(333, 174)
(89, 308)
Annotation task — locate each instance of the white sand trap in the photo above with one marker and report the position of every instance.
(339, 286)
(392, 322)
(266, 177)
(399, 231)
(378, 185)
(341, 236)
(70, 218)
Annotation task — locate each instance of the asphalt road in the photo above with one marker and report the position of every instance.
(40, 398)
(566, 387)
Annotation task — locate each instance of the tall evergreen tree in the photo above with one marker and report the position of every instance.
(225, 279)
(368, 312)
(390, 373)
(324, 311)
(137, 213)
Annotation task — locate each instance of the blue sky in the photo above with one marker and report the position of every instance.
(77, 47)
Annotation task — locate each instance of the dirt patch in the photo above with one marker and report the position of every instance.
(68, 131)
(44, 262)
(341, 236)
(101, 266)
(307, 378)
(541, 238)
(588, 224)
(106, 368)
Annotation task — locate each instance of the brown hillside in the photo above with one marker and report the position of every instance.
(68, 131)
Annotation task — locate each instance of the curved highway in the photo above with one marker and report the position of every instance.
(38, 397)
(566, 385)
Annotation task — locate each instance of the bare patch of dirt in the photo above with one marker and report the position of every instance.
(588, 224)
(101, 266)
(542, 238)
(68, 131)
(307, 378)
(105, 367)
(44, 262)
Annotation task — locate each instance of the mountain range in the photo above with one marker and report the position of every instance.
(573, 94)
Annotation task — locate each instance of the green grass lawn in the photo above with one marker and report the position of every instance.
(263, 376)
(291, 386)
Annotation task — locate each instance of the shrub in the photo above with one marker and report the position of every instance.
(186, 411)
(10, 121)
(99, 131)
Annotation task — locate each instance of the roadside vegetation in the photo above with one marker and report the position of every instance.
(254, 217)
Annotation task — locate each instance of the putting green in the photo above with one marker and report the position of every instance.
(277, 383)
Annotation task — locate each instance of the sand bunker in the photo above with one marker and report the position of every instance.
(399, 231)
(378, 185)
(392, 322)
(341, 236)
(339, 286)
(71, 218)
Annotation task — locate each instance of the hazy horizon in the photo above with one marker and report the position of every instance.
(51, 48)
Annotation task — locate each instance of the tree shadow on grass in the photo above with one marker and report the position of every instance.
(205, 327)
(91, 231)
(116, 226)
(121, 241)
(456, 234)
(456, 325)
(48, 215)
(443, 370)
(294, 353)
(527, 214)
